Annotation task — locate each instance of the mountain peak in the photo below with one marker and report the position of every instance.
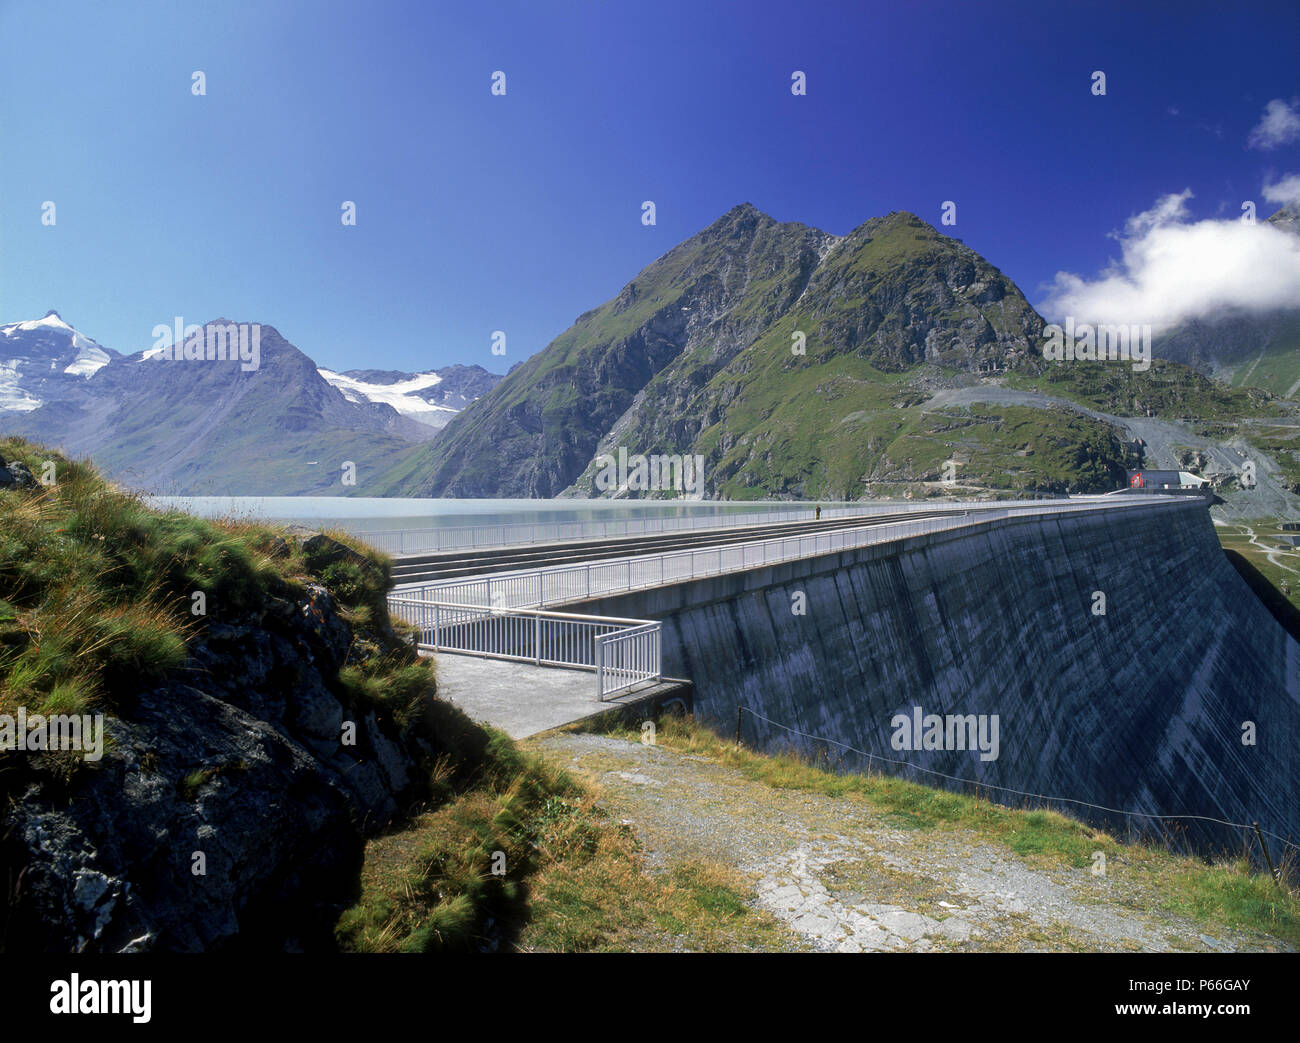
(1288, 218)
(739, 217)
(745, 216)
(695, 354)
(892, 220)
(51, 320)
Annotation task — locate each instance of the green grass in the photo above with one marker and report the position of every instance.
(844, 423)
(1167, 390)
(609, 902)
(97, 592)
(401, 687)
(195, 780)
(435, 884)
(842, 429)
(1017, 448)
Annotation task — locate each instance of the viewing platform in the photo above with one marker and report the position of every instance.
(523, 699)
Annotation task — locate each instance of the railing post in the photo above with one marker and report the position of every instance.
(600, 668)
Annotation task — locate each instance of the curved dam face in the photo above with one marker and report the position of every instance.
(1112, 657)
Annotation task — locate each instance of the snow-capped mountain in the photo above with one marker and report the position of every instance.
(211, 424)
(431, 398)
(45, 360)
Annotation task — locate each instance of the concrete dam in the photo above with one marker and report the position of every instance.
(1114, 658)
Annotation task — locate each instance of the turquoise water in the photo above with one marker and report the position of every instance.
(363, 514)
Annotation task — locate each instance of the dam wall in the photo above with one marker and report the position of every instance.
(1142, 708)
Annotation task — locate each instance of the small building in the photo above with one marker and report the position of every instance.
(1152, 479)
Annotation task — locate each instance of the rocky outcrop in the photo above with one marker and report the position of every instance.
(15, 475)
(231, 804)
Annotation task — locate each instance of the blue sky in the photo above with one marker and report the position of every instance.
(477, 213)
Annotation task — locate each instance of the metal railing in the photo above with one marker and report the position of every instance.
(626, 658)
(473, 537)
(561, 584)
(623, 653)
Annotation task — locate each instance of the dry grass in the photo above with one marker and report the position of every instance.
(573, 880)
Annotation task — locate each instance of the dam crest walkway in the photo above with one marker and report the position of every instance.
(512, 656)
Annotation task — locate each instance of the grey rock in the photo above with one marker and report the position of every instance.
(15, 475)
(225, 812)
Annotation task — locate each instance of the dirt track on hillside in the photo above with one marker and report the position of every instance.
(845, 878)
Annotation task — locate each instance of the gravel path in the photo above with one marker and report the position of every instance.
(846, 879)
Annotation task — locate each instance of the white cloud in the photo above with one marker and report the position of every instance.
(1285, 191)
(1167, 210)
(1173, 268)
(1279, 125)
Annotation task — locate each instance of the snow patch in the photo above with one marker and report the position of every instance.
(90, 357)
(13, 398)
(402, 396)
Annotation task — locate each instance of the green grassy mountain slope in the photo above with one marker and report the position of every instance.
(891, 298)
(794, 361)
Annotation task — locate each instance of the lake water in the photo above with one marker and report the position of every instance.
(366, 514)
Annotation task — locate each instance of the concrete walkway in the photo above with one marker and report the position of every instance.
(522, 699)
